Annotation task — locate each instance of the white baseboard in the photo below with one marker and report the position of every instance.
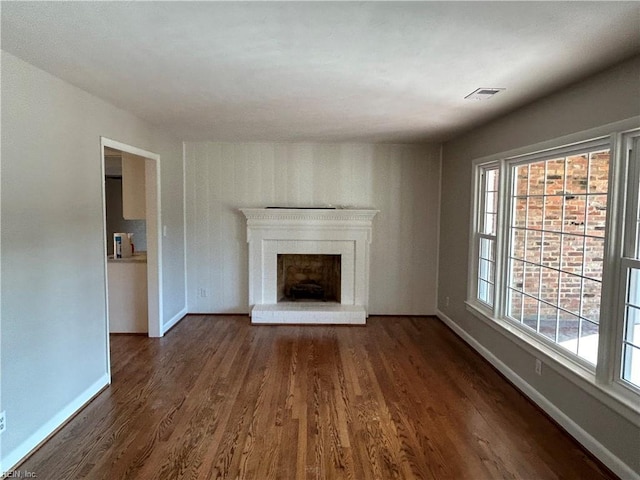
(14, 457)
(616, 465)
(174, 320)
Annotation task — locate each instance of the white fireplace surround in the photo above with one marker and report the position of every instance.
(344, 232)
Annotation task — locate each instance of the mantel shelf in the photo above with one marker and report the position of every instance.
(309, 214)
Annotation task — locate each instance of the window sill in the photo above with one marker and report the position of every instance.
(581, 376)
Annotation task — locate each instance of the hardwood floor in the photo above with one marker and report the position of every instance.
(216, 397)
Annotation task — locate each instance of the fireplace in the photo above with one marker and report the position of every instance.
(325, 252)
(304, 277)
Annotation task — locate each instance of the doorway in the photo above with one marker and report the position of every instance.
(153, 232)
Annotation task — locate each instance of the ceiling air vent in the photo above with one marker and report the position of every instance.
(483, 93)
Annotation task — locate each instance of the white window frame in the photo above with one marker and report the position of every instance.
(604, 381)
(627, 234)
(478, 234)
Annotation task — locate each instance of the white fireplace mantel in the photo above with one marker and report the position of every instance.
(344, 232)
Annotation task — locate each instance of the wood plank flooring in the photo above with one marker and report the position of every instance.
(216, 397)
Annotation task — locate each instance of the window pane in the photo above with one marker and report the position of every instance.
(492, 180)
(577, 174)
(489, 223)
(491, 202)
(534, 213)
(570, 292)
(551, 243)
(549, 285)
(485, 270)
(631, 364)
(548, 321)
(530, 312)
(519, 213)
(490, 294)
(553, 213)
(536, 178)
(632, 330)
(516, 275)
(568, 331)
(485, 292)
(517, 243)
(572, 257)
(521, 176)
(532, 280)
(488, 249)
(593, 257)
(514, 305)
(596, 215)
(533, 246)
(588, 346)
(633, 293)
(554, 177)
(574, 214)
(598, 172)
(591, 291)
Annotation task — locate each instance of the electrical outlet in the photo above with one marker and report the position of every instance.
(446, 302)
(3, 421)
(202, 292)
(538, 366)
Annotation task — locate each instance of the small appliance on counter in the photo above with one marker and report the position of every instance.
(122, 245)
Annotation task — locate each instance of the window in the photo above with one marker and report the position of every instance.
(556, 247)
(555, 255)
(630, 364)
(486, 235)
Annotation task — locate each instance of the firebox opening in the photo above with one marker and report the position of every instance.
(308, 278)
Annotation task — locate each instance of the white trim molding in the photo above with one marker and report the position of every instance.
(174, 320)
(154, 232)
(274, 231)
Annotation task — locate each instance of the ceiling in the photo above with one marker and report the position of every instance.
(315, 71)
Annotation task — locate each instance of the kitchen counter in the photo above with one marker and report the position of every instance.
(138, 257)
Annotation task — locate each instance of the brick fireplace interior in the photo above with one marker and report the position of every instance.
(309, 278)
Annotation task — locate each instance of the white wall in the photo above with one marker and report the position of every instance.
(399, 180)
(54, 344)
(611, 96)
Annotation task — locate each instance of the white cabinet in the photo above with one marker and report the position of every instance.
(133, 190)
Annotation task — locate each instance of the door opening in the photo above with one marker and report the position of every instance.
(150, 177)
